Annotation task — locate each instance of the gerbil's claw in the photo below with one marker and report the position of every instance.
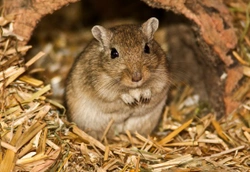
(147, 100)
(144, 100)
(135, 103)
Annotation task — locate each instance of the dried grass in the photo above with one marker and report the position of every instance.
(36, 137)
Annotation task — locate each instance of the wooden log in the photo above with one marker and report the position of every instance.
(211, 23)
(29, 12)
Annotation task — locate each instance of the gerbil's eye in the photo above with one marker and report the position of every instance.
(114, 53)
(146, 49)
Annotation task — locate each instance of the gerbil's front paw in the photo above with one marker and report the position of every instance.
(129, 100)
(141, 96)
(145, 96)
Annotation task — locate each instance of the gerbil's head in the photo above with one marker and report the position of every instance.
(130, 55)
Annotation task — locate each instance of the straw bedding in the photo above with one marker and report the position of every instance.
(35, 135)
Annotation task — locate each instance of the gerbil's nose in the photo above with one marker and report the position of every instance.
(136, 77)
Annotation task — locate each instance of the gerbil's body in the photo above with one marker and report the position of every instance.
(121, 75)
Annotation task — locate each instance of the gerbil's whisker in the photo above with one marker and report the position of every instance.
(111, 86)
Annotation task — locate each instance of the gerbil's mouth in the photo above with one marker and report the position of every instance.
(135, 79)
(131, 84)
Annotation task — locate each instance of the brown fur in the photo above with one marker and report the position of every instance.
(100, 88)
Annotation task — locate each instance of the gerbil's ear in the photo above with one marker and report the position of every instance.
(149, 27)
(102, 34)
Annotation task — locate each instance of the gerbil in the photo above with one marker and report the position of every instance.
(121, 75)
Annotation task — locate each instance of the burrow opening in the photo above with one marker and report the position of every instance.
(64, 34)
